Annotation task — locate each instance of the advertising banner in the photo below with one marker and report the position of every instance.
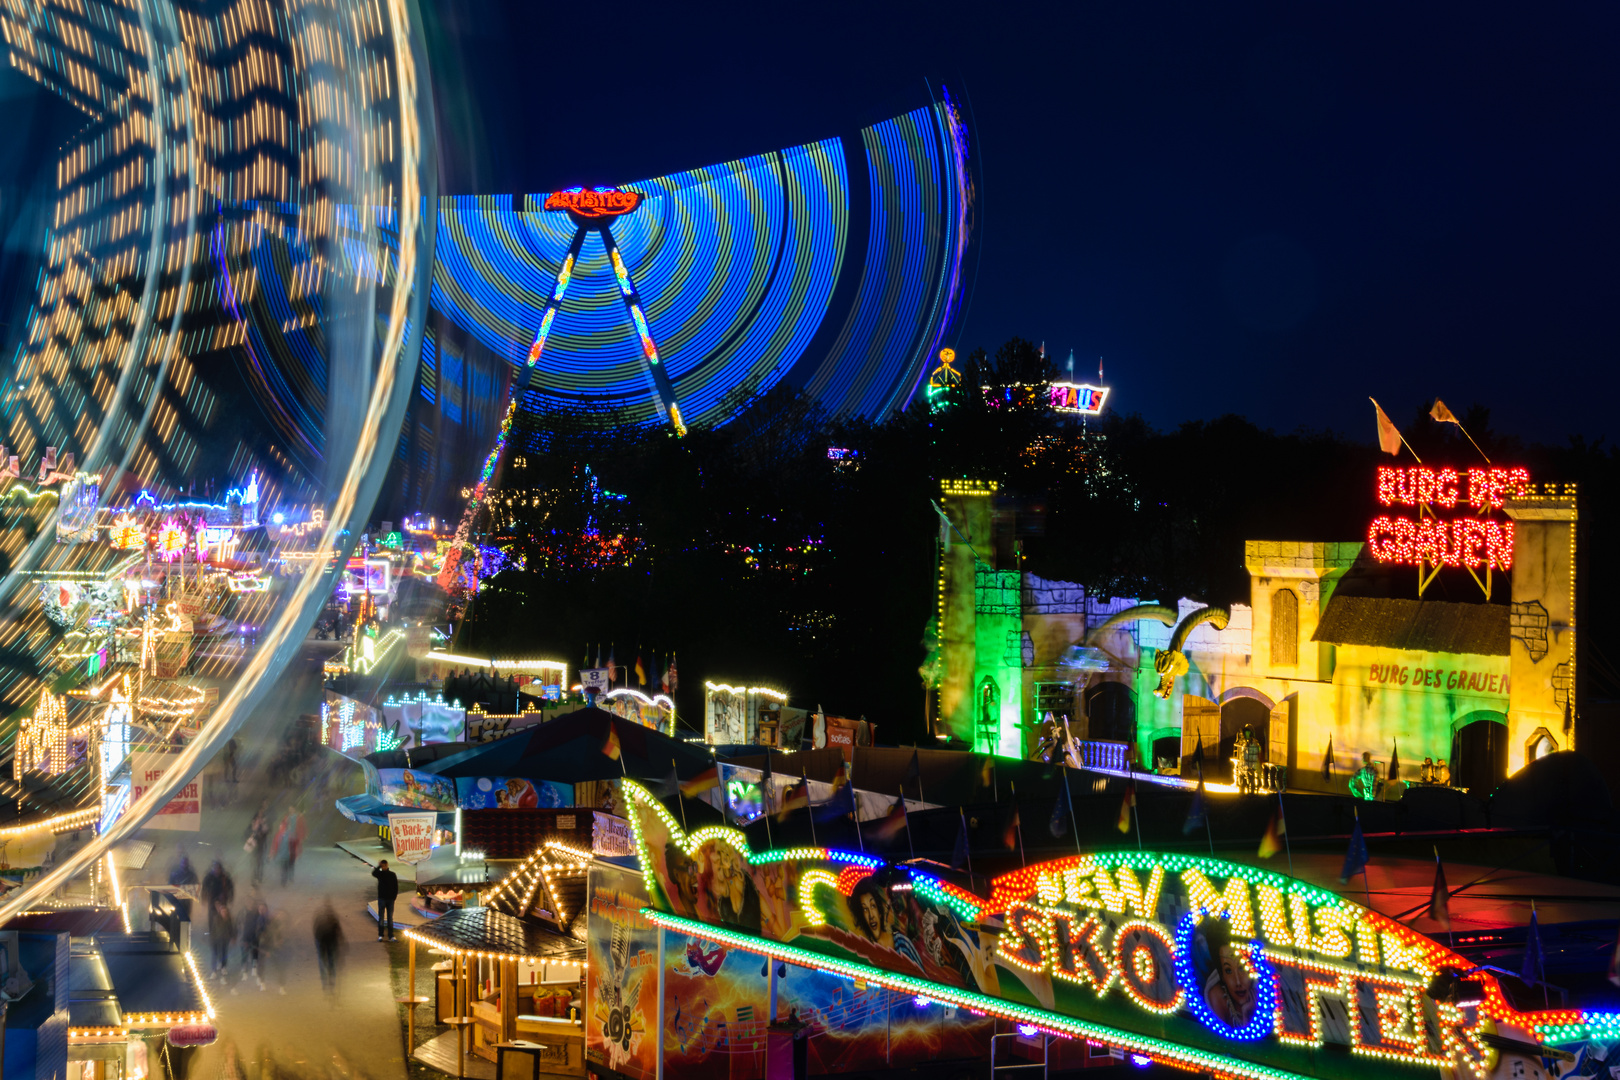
(511, 793)
(416, 789)
(412, 836)
(184, 811)
(717, 1003)
(621, 1017)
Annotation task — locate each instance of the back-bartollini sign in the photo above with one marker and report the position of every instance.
(1192, 961)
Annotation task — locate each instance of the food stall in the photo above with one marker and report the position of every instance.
(512, 981)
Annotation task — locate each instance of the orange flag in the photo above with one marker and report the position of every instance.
(1272, 841)
(1126, 805)
(1441, 414)
(611, 747)
(1389, 436)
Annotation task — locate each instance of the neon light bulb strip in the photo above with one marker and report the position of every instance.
(1160, 1049)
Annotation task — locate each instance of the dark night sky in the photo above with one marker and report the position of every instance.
(1271, 210)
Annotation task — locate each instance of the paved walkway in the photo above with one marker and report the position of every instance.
(354, 1031)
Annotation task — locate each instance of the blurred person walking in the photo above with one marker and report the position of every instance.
(252, 934)
(257, 843)
(328, 944)
(221, 932)
(217, 885)
(289, 842)
(183, 874)
(387, 891)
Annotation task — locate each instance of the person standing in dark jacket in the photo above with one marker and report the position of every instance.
(387, 890)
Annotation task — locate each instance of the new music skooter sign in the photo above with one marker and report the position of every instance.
(1194, 962)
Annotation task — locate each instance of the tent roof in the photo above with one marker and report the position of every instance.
(569, 749)
(483, 929)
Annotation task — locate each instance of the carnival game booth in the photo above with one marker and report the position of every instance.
(1195, 962)
(512, 984)
(127, 996)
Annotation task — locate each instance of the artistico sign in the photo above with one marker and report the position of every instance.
(594, 202)
(1194, 962)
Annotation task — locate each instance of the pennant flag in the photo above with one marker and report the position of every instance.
(1534, 969)
(1440, 896)
(612, 665)
(1442, 414)
(641, 671)
(1327, 762)
(987, 771)
(706, 780)
(1009, 837)
(1060, 813)
(673, 683)
(1198, 812)
(663, 678)
(1126, 805)
(842, 800)
(1355, 859)
(598, 654)
(1395, 762)
(611, 746)
(959, 855)
(797, 798)
(891, 824)
(1272, 841)
(913, 770)
(669, 785)
(1389, 436)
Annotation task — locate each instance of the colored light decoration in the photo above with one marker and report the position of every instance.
(126, 533)
(1261, 976)
(647, 346)
(1079, 398)
(115, 724)
(42, 737)
(621, 273)
(171, 539)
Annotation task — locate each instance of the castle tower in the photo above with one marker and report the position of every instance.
(1543, 648)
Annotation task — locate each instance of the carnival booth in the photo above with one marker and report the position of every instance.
(512, 982)
(715, 952)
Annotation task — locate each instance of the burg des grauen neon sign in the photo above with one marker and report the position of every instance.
(1428, 539)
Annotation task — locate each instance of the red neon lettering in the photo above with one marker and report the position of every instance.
(1419, 485)
(1386, 1019)
(1470, 542)
(594, 204)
